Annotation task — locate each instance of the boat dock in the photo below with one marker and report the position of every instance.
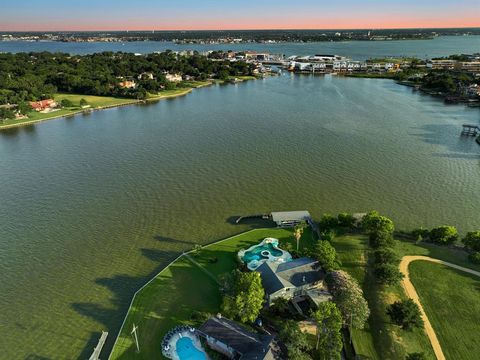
(98, 349)
(470, 130)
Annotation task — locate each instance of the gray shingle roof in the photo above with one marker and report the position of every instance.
(295, 273)
(249, 344)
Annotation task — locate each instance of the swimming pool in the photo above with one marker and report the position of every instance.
(267, 250)
(186, 350)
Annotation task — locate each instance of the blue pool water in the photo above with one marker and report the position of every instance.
(256, 252)
(186, 350)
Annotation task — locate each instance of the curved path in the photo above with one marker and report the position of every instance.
(412, 293)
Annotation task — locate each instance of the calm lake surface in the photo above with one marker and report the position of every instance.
(360, 50)
(92, 206)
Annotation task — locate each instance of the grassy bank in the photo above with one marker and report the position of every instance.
(97, 103)
(185, 287)
(451, 301)
(381, 339)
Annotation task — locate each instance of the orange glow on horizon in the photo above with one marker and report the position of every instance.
(345, 23)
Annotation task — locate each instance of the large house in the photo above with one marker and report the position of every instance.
(43, 104)
(294, 280)
(236, 342)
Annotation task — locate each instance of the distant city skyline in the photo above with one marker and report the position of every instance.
(109, 15)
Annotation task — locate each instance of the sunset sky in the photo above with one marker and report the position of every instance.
(31, 15)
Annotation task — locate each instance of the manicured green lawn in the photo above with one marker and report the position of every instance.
(93, 101)
(170, 299)
(451, 300)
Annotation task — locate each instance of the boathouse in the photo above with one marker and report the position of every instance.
(290, 218)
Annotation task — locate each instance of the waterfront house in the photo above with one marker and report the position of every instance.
(295, 280)
(236, 342)
(173, 77)
(127, 84)
(43, 105)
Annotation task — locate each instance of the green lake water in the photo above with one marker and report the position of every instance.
(92, 206)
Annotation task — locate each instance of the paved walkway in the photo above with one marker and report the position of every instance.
(412, 293)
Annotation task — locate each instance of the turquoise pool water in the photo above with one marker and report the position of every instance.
(256, 252)
(186, 350)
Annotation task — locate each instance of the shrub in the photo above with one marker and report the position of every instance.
(420, 234)
(416, 356)
(475, 257)
(346, 220)
(380, 239)
(388, 274)
(472, 240)
(444, 235)
(385, 256)
(328, 222)
(66, 103)
(405, 314)
(374, 222)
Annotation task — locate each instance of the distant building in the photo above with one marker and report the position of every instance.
(145, 76)
(173, 77)
(43, 104)
(127, 84)
(295, 280)
(236, 342)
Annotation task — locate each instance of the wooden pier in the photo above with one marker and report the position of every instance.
(98, 349)
(470, 130)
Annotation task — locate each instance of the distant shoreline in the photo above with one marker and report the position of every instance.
(127, 102)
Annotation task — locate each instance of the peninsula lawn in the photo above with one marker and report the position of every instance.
(451, 299)
(187, 286)
(190, 285)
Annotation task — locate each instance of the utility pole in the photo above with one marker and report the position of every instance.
(135, 336)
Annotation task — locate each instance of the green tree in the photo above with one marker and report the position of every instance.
(472, 240)
(380, 239)
(247, 297)
(373, 222)
(405, 314)
(416, 356)
(66, 103)
(6, 114)
(329, 324)
(475, 257)
(346, 220)
(83, 102)
(387, 274)
(295, 340)
(326, 254)
(348, 296)
(328, 222)
(298, 232)
(444, 235)
(24, 108)
(385, 255)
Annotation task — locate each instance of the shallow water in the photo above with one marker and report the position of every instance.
(93, 205)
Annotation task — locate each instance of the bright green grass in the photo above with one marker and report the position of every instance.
(451, 300)
(182, 288)
(93, 101)
(381, 339)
